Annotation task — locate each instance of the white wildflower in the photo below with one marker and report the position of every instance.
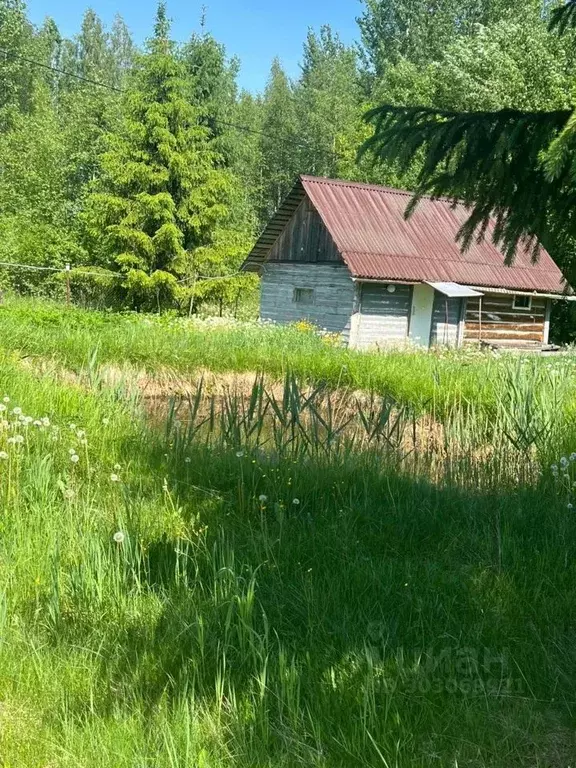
(187, 459)
(72, 427)
(37, 423)
(119, 537)
(2, 407)
(105, 421)
(80, 433)
(554, 469)
(3, 455)
(262, 498)
(45, 421)
(114, 478)
(11, 441)
(564, 462)
(19, 439)
(71, 451)
(239, 454)
(570, 505)
(27, 420)
(573, 457)
(295, 502)
(84, 441)
(17, 411)
(75, 458)
(117, 467)
(6, 399)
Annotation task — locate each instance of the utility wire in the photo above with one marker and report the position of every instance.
(100, 84)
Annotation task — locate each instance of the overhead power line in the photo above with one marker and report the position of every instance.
(107, 86)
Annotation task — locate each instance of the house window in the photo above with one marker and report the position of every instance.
(303, 296)
(522, 302)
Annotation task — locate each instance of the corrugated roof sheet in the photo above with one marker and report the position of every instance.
(377, 243)
(368, 227)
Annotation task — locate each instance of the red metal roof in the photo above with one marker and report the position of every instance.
(377, 243)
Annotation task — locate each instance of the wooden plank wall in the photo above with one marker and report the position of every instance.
(384, 317)
(333, 301)
(305, 238)
(503, 325)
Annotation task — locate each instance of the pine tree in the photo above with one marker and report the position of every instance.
(162, 195)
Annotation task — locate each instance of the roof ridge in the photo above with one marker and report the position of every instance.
(372, 187)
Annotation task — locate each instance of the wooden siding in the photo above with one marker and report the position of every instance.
(446, 313)
(305, 239)
(332, 304)
(384, 317)
(503, 325)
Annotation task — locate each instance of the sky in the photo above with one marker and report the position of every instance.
(253, 30)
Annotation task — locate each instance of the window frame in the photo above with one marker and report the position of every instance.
(299, 292)
(522, 309)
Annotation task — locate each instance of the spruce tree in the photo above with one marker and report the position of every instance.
(162, 195)
(516, 166)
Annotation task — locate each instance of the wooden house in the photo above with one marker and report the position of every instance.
(343, 256)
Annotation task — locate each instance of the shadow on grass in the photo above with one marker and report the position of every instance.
(380, 605)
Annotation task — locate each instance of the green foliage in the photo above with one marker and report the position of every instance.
(509, 155)
(162, 194)
(274, 573)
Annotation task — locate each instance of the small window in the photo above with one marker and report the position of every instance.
(522, 302)
(303, 296)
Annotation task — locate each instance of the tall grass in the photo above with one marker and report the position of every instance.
(289, 576)
(434, 382)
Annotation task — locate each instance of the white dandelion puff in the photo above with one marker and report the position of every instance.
(80, 433)
(18, 439)
(75, 458)
(71, 451)
(37, 423)
(187, 459)
(117, 467)
(295, 502)
(105, 421)
(119, 537)
(72, 427)
(564, 462)
(262, 498)
(6, 399)
(27, 420)
(17, 411)
(3, 455)
(45, 421)
(114, 478)
(570, 505)
(2, 407)
(239, 454)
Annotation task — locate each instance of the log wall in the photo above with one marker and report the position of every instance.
(503, 325)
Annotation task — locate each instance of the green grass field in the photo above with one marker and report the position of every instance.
(293, 574)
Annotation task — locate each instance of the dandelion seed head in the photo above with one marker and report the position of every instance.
(119, 537)
(72, 427)
(570, 505)
(37, 423)
(17, 411)
(239, 454)
(105, 421)
(3, 455)
(71, 451)
(2, 407)
(80, 433)
(187, 459)
(295, 502)
(117, 467)
(18, 439)
(6, 399)
(262, 498)
(45, 421)
(564, 462)
(75, 458)
(114, 478)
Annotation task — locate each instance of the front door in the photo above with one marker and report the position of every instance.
(446, 316)
(384, 314)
